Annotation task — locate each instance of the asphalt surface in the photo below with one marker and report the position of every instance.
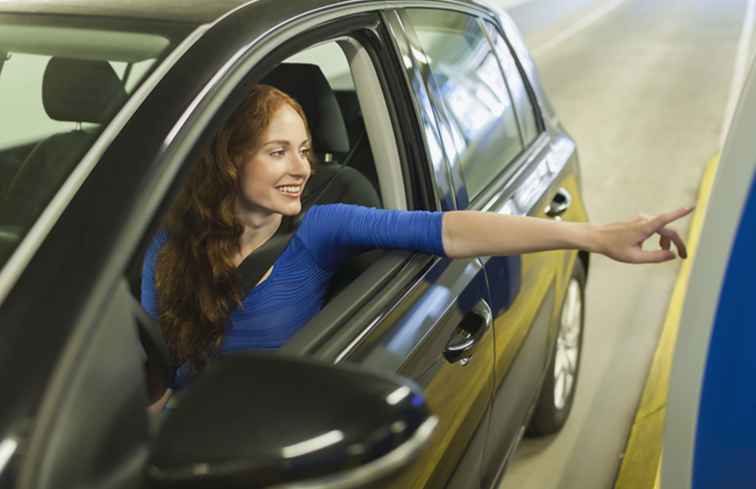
(644, 90)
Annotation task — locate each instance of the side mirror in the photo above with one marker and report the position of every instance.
(260, 420)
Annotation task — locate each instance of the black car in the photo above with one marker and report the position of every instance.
(420, 371)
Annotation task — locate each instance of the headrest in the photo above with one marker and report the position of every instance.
(306, 84)
(81, 90)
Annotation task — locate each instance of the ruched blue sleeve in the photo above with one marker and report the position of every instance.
(333, 232)
(148, 296)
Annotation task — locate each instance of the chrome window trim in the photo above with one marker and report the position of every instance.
(25, 251)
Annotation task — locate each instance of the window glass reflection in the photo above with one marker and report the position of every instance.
(468, 77)
(517, 88)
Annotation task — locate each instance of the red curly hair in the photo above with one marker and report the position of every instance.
(195, 275)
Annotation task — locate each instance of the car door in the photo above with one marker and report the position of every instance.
(505, 162)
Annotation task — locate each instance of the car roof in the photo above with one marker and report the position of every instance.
(185, 11)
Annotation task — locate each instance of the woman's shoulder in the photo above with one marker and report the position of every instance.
(336, 210)
(332, 218)
(333, 207)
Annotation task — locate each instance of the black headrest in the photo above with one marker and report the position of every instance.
(81, 90)
(306, 84)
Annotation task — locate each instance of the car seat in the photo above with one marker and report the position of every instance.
(76, 91)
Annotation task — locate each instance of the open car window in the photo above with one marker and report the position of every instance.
(335, 81)
(60, 83)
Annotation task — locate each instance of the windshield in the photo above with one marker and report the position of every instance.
(61, 81)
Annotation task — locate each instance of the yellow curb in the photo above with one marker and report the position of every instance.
(640, 468)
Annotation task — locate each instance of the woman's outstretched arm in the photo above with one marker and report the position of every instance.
(473, 233)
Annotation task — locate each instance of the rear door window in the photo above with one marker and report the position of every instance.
(520, 95)
(468, 77)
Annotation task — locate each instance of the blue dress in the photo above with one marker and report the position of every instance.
(277, 308)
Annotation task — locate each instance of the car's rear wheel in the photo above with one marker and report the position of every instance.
(558, 390)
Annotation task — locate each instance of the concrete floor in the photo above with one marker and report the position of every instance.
(644, 92)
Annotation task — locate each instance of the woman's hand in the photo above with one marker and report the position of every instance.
(624, 241)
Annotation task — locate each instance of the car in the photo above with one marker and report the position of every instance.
(420, 371)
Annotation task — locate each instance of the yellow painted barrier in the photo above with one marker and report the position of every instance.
(641, 464)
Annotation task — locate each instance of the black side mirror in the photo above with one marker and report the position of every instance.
(260, 420)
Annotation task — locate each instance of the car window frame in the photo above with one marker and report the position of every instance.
(415, 181)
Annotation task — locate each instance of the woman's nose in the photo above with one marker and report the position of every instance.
(300, 165)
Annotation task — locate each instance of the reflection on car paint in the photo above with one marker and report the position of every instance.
(505, 277)
(542, 176)
(449, 284)
(420, 318)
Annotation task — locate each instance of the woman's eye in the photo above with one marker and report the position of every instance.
(306, 151)
(278, 153)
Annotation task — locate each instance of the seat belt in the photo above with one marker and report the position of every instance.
(254, 266)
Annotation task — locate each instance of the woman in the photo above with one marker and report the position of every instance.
(251, 176)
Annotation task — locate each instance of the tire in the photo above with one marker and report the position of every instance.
(554, 404)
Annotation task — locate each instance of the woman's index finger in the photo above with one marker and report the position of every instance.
(668, 217)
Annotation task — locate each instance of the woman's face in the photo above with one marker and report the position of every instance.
(273, 175)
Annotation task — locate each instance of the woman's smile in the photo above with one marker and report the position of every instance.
(290, 190)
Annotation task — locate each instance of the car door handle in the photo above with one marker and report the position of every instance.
(559, 204)
(471, 329)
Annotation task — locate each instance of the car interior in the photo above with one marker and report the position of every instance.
(73, 90)
(62, 94)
